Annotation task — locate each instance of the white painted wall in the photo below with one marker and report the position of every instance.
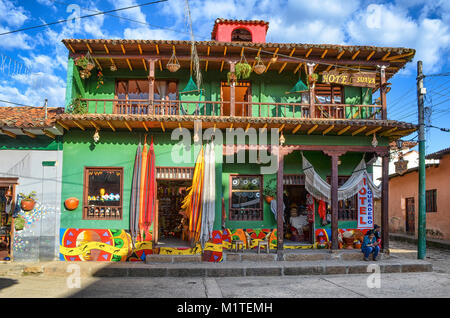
(39, 240)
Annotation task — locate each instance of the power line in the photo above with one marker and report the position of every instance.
(442, 129)
(12, 103)
(82, 17)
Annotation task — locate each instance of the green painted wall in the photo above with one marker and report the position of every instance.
(27, 143)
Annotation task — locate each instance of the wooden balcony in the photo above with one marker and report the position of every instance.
(241, 109)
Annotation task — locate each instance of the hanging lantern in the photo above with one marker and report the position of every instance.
(96, 136)
(113, 68)
(282, 139)
(374, 141)
(274, 59)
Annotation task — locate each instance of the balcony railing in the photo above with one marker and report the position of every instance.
(241, 109)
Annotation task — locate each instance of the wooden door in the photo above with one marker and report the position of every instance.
(410, 216)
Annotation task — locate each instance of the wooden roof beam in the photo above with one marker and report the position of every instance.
(29, 134)
(9, 133)
(285, 63)
(312, 129)
(296, 128)
(297, 68)
(71, 48)
(111, 125)
(145, 125)
(340, 55)
(89, 48)
(387, 132)
(326, 131)
(373, 131)
(343, 130)
(207, 54)
(356, 54)
(386, 56)
(48, 134)
(145, 64)
(129, 65)
(370, 55)
(309, 52)
(106, 48)
(128, 125)
(273, 56)
(247, 127)
(79, 125)
(63, 125)
(140, 49)
(264, 127)
(257, 54)
(97, 127)
(359, 130)
(162, 127)
(398, 56)
(324, 54)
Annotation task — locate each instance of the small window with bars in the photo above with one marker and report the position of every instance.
(246, 198)
(430, 196)
(102, 193)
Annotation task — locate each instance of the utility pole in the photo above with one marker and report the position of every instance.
(421, 91)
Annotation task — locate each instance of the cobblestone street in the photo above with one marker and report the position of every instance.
(440, 258)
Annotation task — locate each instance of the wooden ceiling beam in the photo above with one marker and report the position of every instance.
(9, 133)
(162, 127)
(373, 131)
(145, 125)
(111, 125)
(398, 56)
(270, 62)
(296, 128)
(71, 48)
(387, 132)
(340, 55)
(48, 134)
(140, 49)
(356, 54)
(324, 54)
(129, 65)
(29, 134)
(89, 48)
(79, 125)
(257, 54)
(343, 130)
(359, 130)
(386, 56)
(97, 127)
(326, 131)
(297, 68)
(370, 55)
(63, 125)
(309, 52)
(311, 130)
(285, 63)
(128, 125)
(106, 49)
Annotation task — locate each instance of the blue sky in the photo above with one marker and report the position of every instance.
(33, 63)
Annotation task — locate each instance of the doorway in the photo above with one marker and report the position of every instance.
(410, 216)
(7, 206)
(172, 223)
(298, 227)
(242, 99)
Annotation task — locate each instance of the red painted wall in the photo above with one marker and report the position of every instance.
(406, 186)
(224, 31)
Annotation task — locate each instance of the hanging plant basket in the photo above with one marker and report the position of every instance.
(259, 67)
(243, 69)
(86, 64)
(19, 223)
(173, 64)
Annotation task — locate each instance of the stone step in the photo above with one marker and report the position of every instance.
(158, 259)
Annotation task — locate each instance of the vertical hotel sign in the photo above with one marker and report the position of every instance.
(365, 207)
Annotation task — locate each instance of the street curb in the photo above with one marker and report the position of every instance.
(225, 269)
(413, 240)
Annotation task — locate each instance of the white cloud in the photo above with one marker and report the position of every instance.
(12, 15)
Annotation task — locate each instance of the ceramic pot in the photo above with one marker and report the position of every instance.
(27, 205)
(357, 245)
(71, 203)
(348, 240)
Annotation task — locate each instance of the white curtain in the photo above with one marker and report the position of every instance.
(209, 194)
(161, 86)
(321, 190)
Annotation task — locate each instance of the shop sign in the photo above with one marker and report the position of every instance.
(361, 79)
(365, 207)
(401, 166)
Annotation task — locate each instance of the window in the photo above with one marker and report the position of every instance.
(347, 209)
(102, 198)
(241, 34)
(327, 94)
(431, 200)
(246, 198)
(132, 96)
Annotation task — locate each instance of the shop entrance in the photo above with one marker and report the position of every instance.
(298, 227)
(171, 223)
(7, 195)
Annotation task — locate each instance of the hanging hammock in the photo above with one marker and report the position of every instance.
(191, 87)
(209, 195)
(321, 190)
(299, 87)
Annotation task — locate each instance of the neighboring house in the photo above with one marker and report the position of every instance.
(31, 160)
(403, 193)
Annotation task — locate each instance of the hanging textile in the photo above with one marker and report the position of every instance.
(135, 186)
(209, 195)
(147, 192)
(321, 190)
(192, 203)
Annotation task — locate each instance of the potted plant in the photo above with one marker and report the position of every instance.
(86, 65)
(77, 106)
(28, 201)
(259, 67)
(19, 223)
(71, 203)
(270, 191)
(231, 77)
(243, 70)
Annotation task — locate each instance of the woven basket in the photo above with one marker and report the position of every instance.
(259, 69)
(173, 67)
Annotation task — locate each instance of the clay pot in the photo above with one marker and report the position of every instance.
(259, 69)
(268, 199)
(27, 205)
(357, 245)
(71, 203)
(348, 240)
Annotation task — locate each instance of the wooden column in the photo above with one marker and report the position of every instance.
(385, 203)
(280, 210)
(383, 92)
(232, 90)
(151, 84)
(312, 108)
(334, 154)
